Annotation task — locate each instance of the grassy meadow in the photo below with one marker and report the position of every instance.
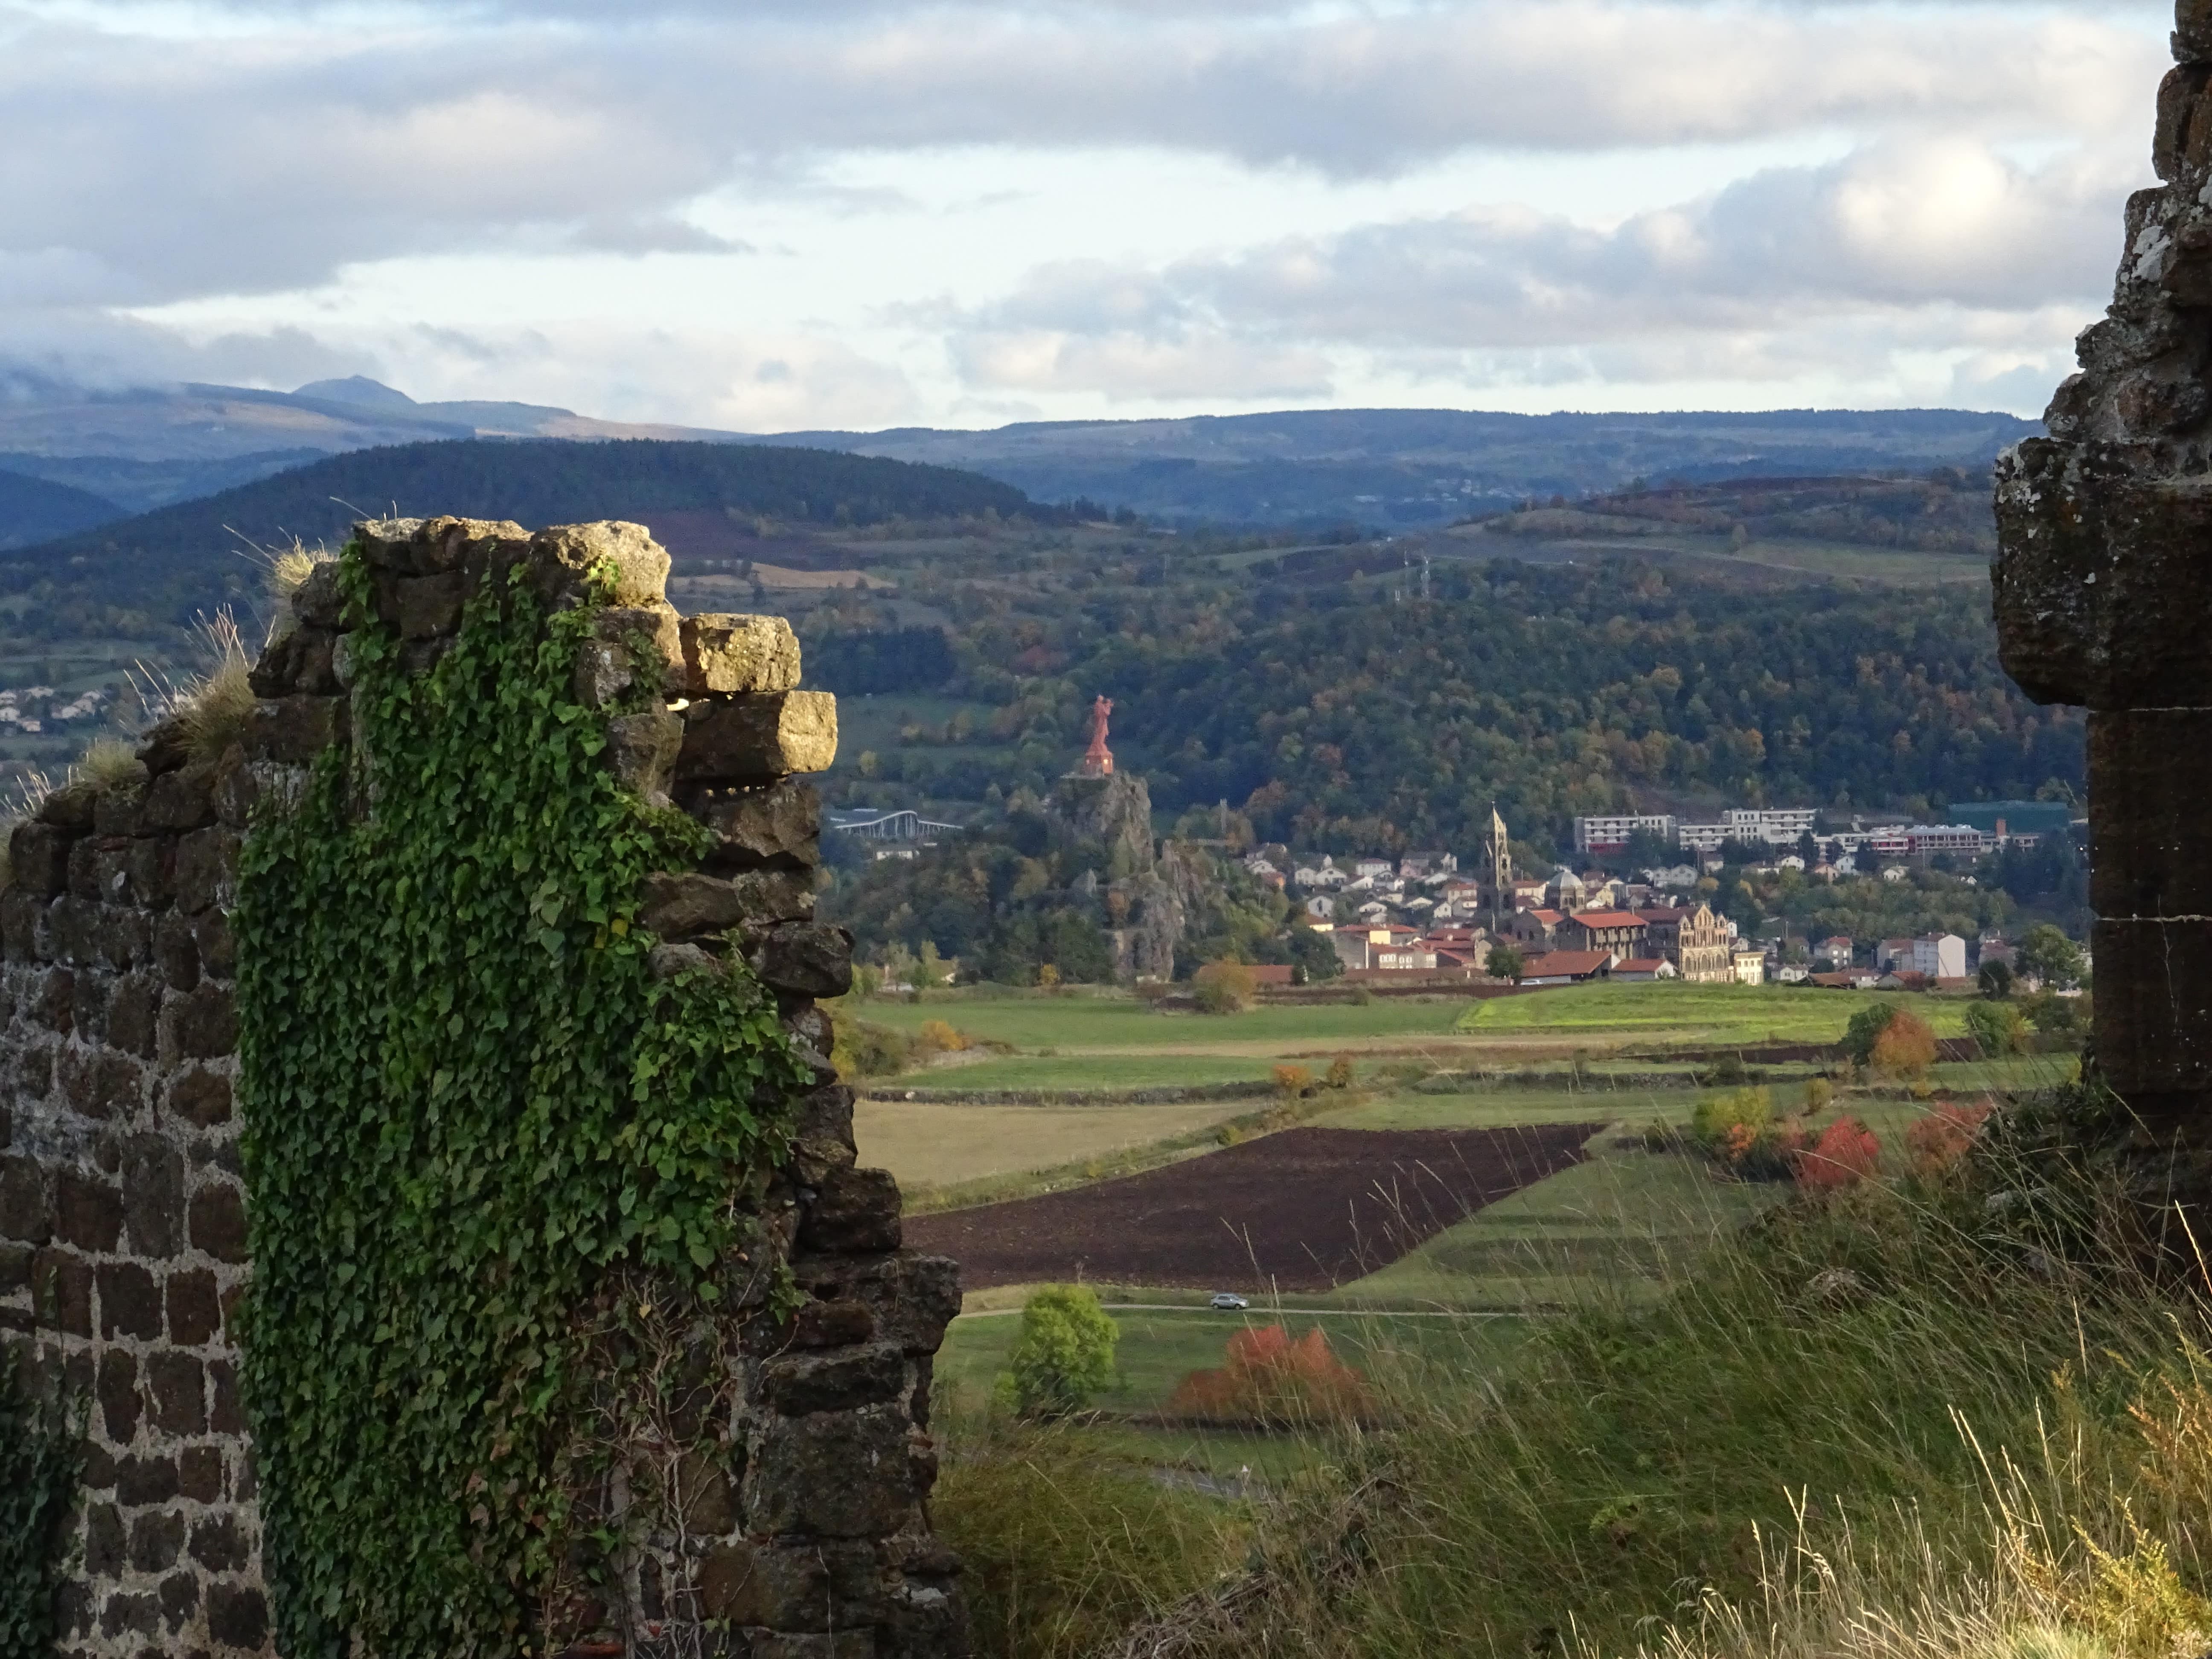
(1691, 1015)
(1617, 1417)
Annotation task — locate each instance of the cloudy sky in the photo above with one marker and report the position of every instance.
(766, 215)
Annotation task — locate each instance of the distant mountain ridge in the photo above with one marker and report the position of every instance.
(1379, 468)
(1410, 468)
(702, 499)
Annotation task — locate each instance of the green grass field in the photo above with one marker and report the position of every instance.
(1694, 1015)
(1103, 1074)
(1082, 1024)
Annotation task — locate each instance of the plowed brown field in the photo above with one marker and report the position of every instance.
(1307, 1209)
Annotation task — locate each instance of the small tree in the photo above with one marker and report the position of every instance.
(2048, 956)
(1505, 962)
(1865, 1026)
(1065, 1353)
(1995, 980)
(1905, 1047)
(1997, 1027)
(1223, 986)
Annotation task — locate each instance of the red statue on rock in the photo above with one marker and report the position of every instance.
(1098, 759)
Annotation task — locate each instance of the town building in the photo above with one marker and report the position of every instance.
(1567, 967)
(1777, 826)
(1644, 968)
(1602, 835)
(1835, 951)
(1940, 955)
(1538, 928)
(1618, 931)
(1696, 941)
(1749, 965)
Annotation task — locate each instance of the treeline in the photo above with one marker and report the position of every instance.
(174, 561)
(1338, 716)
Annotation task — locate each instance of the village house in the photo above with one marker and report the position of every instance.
(1644, 968)
(1365, 945)
(1749, 964)
(1528, 893)
(1536, 929)
(1567, 967)
(1835, 951)
(1617, 931)
(1893, 953)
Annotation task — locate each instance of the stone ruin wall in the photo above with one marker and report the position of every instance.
(2103, 591)
(123, 1235)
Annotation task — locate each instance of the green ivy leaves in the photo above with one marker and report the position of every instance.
(466, 1098)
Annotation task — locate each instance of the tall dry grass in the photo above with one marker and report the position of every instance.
(1943, 1417)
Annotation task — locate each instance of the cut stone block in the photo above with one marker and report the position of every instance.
(728, 653)
(758, 739)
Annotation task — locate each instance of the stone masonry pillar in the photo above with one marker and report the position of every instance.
(2102, 590)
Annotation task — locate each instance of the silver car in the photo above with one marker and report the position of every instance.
(1228, 1302)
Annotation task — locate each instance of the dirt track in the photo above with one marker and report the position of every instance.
(1307, 1208)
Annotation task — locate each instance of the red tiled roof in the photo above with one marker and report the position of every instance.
(1609, 919)
(1640, 965)
(1564, 962)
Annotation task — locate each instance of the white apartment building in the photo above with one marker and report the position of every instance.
(1607, 833)
(1777, 826)
(1940, 955)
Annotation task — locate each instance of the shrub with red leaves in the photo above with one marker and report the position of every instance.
(1846, 1152)
(1270, 1379)
(1939, 1139)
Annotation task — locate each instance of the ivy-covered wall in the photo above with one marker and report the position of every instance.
(420, 1151)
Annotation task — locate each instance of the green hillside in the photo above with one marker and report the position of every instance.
(35, 510)
(161, 567)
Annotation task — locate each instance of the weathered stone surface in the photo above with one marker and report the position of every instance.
(317, 601)
(685, 905)
(195, 1310)
(198, 1025)
(294, 730)
(2192, 31)
(153, 1195)
(634, 649)
(422, 607)
(641, 749)
(561, 557)
(70, 807)
(912, 1298)
(728, 653)
(130, 1300)
(181, 800)
(165, 746)
(217, 1223)
(27, 1201)
(834, 1474)
(853, 1209)
(775, 826)
(796, 1384)
(38, 858)
(807, 958)
(758, 739)
(88, 1211)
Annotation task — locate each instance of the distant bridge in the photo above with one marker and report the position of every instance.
(904, 825)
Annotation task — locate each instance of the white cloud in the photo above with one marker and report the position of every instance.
(262, 161)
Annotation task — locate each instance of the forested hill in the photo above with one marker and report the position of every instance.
(161, 567)
(1337, 715)
(36, 510)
